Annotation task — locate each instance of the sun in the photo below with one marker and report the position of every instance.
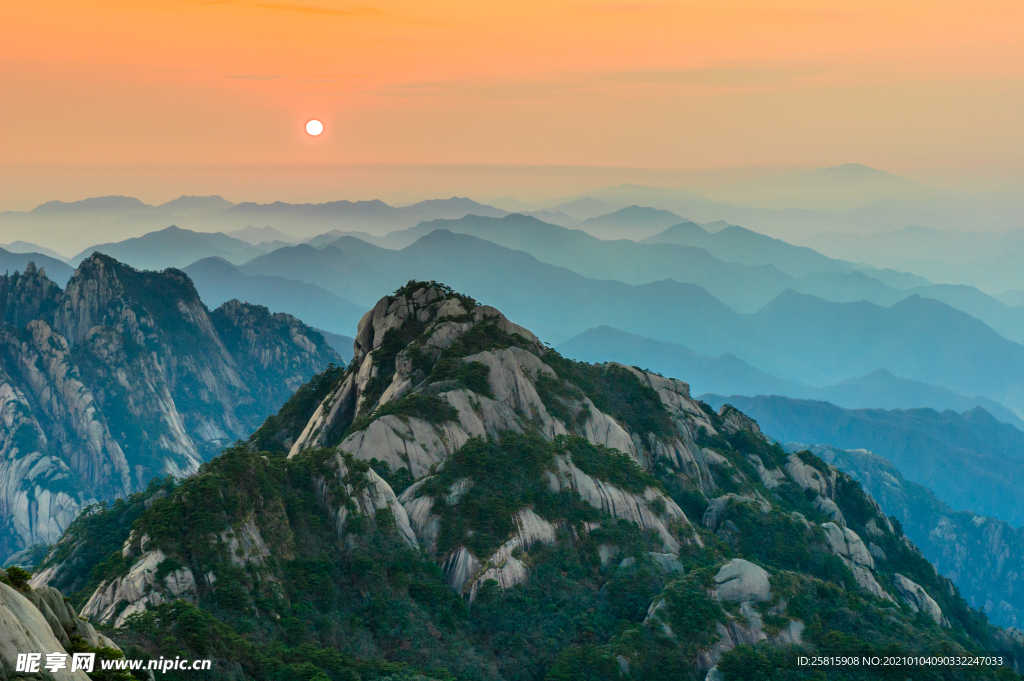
(314, 127)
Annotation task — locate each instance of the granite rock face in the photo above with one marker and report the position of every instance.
(918, 599)
(41, 620)
(125, 376)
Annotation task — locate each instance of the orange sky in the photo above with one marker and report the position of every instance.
(903, 86)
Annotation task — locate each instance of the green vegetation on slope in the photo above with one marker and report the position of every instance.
(288, 422)
(339, 595)
(429, 408)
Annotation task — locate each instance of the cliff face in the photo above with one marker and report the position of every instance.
(599, 521)
(125, 376)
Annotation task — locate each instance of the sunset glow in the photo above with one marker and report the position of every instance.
(692, 84)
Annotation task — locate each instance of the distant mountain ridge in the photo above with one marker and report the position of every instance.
(736, 244)
(729, 375)
(218, 281)
(743, 287)
(796, 337)
(126, 218)
(742, 268)
(174, 247)
(632, 222)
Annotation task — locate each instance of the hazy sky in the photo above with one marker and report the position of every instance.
(164, 97)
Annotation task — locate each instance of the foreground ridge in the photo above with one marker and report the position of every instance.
(462, 501)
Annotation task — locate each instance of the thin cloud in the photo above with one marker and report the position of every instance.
(285, 7)
(729, 77)
(623, 8)
(307, 9)
(255, 77)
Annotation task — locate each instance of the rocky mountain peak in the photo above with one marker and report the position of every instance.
(107, 293)
(27, 295)
(123, 376)
(600, 522)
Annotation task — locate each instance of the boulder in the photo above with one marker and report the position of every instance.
(830, 509)
(740, 580)
(808, 477)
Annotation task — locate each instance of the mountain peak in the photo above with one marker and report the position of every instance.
(100, 203)
(455, 458)
(186, 202)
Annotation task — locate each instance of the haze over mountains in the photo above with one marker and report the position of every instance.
(718, 289)
(736, 310)
(880, 388)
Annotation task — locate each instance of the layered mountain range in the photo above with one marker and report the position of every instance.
(463, 502)
(852, 322)
(123, 376)
(760, 287)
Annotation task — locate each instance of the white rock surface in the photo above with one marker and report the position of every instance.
(845, 542)
(770, 478)
(375, 495)
(505, 568)
(918, 599)
(139, 588)
(621, 504)
(740, 580)
(830, 509)
(413, 443)
(808, 477)
(24, 629)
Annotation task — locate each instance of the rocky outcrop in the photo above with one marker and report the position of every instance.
(114, 601)
(621, 504)
(368, 494)
(40, 620)
(743, 584)
(740, 580)
(519, 467)
(502, 566)
(809, 477)
(719, 505)
(26, 296)
(846, 543)
(983, 556)
(918, 599)
(40, 495)
(78, 434)
(748, 630)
